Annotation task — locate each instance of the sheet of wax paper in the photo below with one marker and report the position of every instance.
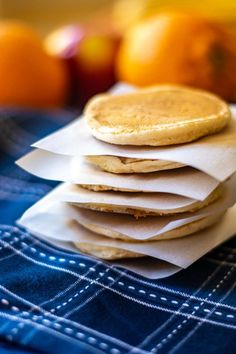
(214, 155)
(185, 181)
(56, 222)
(164, 203)
(138, 229)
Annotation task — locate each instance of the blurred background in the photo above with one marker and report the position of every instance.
(60, 53)
(47, 15)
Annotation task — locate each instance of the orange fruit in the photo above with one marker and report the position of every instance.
(28, 75)
(179, 48)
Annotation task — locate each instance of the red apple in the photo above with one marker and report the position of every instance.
(90, 58)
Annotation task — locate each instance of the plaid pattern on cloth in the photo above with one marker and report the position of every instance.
(55, 301)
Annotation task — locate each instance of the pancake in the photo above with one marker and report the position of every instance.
(111, 253)
(141, 212)
(104, 252)
(102, 188)
(181, 231)
(156, 116)
(117, 164)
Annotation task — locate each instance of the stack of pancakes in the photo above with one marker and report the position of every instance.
(156, 116)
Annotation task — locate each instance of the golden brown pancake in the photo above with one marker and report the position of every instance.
(117, 164)
(111, 253)
(156, 116)
(105, 252)
(181, 231)
(141, 212)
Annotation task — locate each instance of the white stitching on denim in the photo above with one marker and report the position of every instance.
(129, 297)
(113, 350)
(92, 269)
(76, 294)
(4, 302)
(147, 283)
(42, 328)
(180, 309)
(130, 287)
(199, 323)
(67, 330)
(171, 334)
(77, 275)
(150, 294)
(171, 291)
(46, 321)
(92, 297)
(216, 261)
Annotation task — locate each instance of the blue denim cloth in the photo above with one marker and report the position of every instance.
(53, 301)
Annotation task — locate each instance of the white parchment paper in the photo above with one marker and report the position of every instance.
(185, 181)
(180, 252)
(153, 202)
(141, 229)
(207, 154)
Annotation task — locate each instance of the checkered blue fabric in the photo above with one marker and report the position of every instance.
(54, 301)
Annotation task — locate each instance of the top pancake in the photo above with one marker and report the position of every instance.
(156, 116)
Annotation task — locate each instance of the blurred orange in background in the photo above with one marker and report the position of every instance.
(164, 41)
(179, 48)
(28, 75)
